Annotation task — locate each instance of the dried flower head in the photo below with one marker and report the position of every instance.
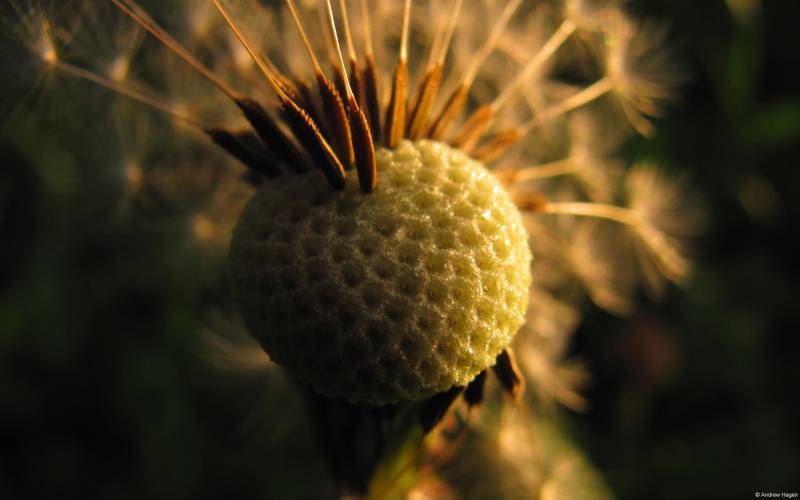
(346, 118)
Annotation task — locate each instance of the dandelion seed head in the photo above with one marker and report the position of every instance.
(419, 292)
(536, 92)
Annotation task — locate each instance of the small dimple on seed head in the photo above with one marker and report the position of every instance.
(436, 263)
(457, 175)
(316, 270)
(319, 225)
(340, 252)
(372, 295)
(398, 311)
(299, 212)
(409, 284)
(468, 236)
(353, 274)
(451, 189)
(386, 224)
(429, 320)
(428, 176)
(479, 199)
(327, 294)
(409, 254)
(367, 246)
(464, 210)
(312, 245)
(446, 240)
(346, 206)
(344, 227)
(347, 315)
(418, 230)
(378, 334)
(384, 268)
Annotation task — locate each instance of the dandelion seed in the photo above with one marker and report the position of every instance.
(641, 70)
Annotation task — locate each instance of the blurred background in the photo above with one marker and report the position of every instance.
(104, 391)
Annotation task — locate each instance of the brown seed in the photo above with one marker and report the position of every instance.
(508, 373)
(396, 111)
(309, 135)
(363, 147)
(435, 408)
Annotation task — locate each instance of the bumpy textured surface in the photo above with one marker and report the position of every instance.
(390, 296)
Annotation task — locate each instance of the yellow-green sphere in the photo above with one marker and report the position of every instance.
(390, 296)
